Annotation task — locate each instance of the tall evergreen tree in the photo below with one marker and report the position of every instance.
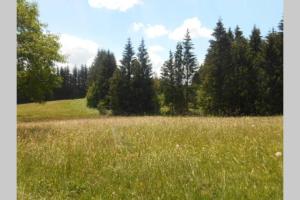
(121, 93)
(189, 66)
(244, 74)
(117, 92)
(100, 73)
(257, 77)
(273, 71)
(149, 100)
(126, 61)
(217, 62)
(168, 82)
(179, 101)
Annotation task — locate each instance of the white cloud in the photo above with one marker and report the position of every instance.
(121, 5)
(155, 31)
(151, 31)
(77, 51)
(137, 26)
(155, 57)
(197, 30)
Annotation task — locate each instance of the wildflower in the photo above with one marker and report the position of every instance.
(278, 154)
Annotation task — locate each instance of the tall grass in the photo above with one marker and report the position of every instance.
(151, 158)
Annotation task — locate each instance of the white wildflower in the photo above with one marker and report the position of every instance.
(278, 154)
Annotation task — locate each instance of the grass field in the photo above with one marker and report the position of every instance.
(55, 110)
(148, 157)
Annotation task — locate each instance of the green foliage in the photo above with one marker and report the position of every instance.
(273, 74)
(74, 85)
(241, 76)
(99, 77)
(103, 108)
(177, 74)
(132, 88)
(168, 82)
(117, 92)
(37, 52)
(91, 96)
(189, 68)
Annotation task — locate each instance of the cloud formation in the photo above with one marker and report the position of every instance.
(155, 31)
(120, 5)
(197, 30)
(78, 51)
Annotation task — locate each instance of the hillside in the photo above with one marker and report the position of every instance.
(55, 110)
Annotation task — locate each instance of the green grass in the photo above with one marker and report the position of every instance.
(148, 157)
(55, 110)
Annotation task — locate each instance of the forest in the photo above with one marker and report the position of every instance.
(240, 75)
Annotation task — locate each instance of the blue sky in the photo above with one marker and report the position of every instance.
(87, 25)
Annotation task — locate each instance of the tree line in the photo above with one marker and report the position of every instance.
(239, 76)
(127, 89)
(242, 76)
(73, 83)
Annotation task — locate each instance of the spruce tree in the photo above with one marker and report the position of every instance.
(149, 100)
(257, 77)
(100, 73)
(189, 66)
(273, 70)
(168, 82)
(121, 93)
(217, 63)
(244, 75)
(179, 98)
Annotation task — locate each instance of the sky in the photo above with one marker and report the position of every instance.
(84, 26)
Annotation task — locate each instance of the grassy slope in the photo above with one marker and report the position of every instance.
(150, 158)
(63, 109)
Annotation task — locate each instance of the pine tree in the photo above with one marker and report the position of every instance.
(74, 83)
(217, 63)
(273, 70)
(168, 82)
(126, 61)
(121, 93)
(257, 77)
(179, 99)
(116, 93)
(189, 66)
(242, 86)
(149, 100)
(100, 73)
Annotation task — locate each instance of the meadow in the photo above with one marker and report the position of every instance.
(73, 153)
(55, 110)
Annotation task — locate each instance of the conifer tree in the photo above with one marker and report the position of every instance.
(179, 102)
(273, 70)
(117, 92)
(121, 93)
(257, 77)
(100, 73)
(189, 66)
(217, 62)
(149, 100)
(168, 82)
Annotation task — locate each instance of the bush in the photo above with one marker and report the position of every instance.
(103, 108)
